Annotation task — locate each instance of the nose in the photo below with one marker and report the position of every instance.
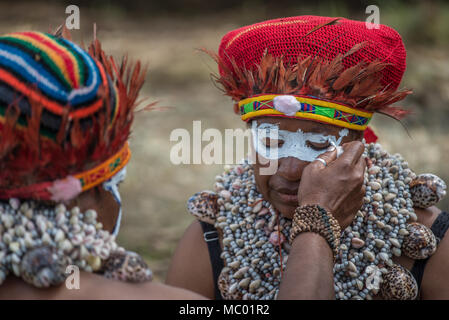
(291, 168)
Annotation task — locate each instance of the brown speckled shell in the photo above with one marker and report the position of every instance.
(398, 284)
(43, 267)
(420, 243)
(126, 266)
(203, 205)
(223, 286)
(426, 190)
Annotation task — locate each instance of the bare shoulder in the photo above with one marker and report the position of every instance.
(95, 287)
(435, 284)
(166, 292)
(190, 267)
(427, 216)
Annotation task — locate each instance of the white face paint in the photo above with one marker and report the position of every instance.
(112, 186)
(294, 144)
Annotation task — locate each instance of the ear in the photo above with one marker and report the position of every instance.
(357, 135)
(360, 136)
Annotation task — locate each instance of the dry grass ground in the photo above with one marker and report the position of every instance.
(156, 191)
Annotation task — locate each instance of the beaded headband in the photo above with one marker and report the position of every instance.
(70, 187)
(304, 108)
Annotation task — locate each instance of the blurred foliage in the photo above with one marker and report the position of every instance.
(420, 21)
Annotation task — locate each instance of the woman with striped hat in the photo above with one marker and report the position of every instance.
(338, 216)
(65, 119)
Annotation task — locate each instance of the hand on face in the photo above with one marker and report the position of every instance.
(281, 187)
(337, 187)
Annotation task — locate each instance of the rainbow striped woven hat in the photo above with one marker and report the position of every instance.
(331, 70)
(57, 74)
(65, 116)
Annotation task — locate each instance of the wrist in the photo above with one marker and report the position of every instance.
(312, 202)
(312, 240)
(315, 219)
(309, 237)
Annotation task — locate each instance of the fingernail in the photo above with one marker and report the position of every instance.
(339, 151)
(331, 148)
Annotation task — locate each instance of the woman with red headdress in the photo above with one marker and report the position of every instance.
(339, 217)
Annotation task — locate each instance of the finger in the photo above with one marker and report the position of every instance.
(360, 165)
(359, 168)
(352, 152)
(362, 192)
(328, 157)
(357, 200)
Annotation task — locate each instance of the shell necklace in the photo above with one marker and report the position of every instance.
(38, 243)
(255, 250)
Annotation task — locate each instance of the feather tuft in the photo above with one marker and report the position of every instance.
(358, 86)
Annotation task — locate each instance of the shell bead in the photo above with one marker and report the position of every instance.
(276, 239)
(398, 284)
(205, 203)
(420, 243)
(427, 190)
(38, 242)
(357, 243)
(255, 255)
(43, 267)
(126, 266)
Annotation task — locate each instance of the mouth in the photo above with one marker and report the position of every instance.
(287, 196)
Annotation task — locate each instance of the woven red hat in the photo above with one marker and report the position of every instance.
(338, 70)
(287, 37)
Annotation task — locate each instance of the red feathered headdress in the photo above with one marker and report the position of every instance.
(338, 70)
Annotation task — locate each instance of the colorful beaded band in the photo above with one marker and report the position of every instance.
(307, 108)
(313, 218)
(86, 180)
(105, 170)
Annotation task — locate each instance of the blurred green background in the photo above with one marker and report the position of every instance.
(167, 33)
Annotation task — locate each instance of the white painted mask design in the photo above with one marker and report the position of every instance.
(111, 185)
(284, 143)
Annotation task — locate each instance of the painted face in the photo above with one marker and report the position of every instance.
(272, 143)
(293, 144)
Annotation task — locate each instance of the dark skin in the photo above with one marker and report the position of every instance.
(279, 188)
(101, 201)
(337, 188)
(93, 286)
(312, 259)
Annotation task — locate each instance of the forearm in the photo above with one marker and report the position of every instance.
(309, 272)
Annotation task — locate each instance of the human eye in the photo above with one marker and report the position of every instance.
(272, 143)
(318, 146)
